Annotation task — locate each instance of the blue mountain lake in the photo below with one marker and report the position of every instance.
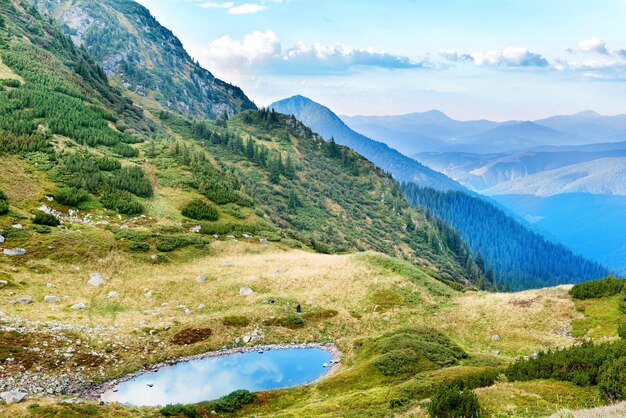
(213, 377)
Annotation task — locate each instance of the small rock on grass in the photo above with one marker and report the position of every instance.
(79, 306)
(95, 279)
(52, 299)
(12, 396)
(245, 291)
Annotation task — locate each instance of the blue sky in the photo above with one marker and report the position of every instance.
(495, 59)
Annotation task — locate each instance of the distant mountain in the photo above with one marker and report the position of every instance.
(511, 137)
(604, 176)
(144, 57)
(481, 171)
(433, 131)
(416, 132)
(323, 121)
(590, 125)
(592, 225)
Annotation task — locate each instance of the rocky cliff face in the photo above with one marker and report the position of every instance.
(145, 57)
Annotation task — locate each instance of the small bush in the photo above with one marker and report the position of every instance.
(11, 82)
(43, 218)
(200, 211)
(236, 321)
(177, 410)
(71, 196)
(4, 203)
(233, 401)
(612, 380)
(450, 401)
(41, 229)
(191, 336)
(597, 288)
(290, 321)
(168, 243)
(399, 402)
(139, 247)
(121, 201)
(400, 362)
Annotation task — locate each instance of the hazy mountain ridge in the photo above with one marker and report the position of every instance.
(323, 121)
(148, 59)
(601, 176)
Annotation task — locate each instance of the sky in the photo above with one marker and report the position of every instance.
(472, 59)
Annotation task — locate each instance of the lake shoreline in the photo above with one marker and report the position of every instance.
(95, 392)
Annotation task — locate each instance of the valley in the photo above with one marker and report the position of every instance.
(152, 215)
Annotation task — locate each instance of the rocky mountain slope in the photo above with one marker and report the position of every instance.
(144, 57)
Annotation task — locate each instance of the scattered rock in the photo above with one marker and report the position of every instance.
(263, 241)
(79, 306)
(495, 352)
(154, 256)
(148, 294)
(52, 299)
(247, 339)
(246, 236)
(230, 236)
(17, 226)
(24, 300)
(245, 291)
(50, 286)
(495, 338)
(1, 239)
(201, 306)
(11, 252)
(309, 302)
(3, 283)
(187, 312)
(95, 279)
(195, 229)
(201, 278)
(216, 236)
(113, 294)
(12, 396)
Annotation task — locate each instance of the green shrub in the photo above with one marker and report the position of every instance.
(612, 380)
(131, 179)
(43, 218)
(138, 246)
(621, 330)
(399, 402)
(450, 401)
(400, 363)
(71, 196)
(291, 321)
(41, 229)
(597, 288)
(200, 210)
(233, 401)
(177, 410)
(11, 82)
(167, 243)
(236, 321)
(121, 201)
(4, 203)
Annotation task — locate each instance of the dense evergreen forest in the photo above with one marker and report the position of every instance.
(514, 256)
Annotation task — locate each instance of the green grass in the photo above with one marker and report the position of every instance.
(602, 316)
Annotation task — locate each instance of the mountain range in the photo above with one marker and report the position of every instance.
(433, 131)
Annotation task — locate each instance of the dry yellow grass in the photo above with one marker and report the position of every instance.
(524, 321)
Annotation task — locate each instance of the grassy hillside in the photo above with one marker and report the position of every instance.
(170, 218)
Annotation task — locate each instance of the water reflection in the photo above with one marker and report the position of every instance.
(214, 377)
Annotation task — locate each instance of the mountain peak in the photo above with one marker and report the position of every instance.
(591, 114)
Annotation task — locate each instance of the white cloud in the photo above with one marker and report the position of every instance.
(509, 57)
(246, 8)
(264, 50)
(593, 45)
(211, 5)
(227, 52)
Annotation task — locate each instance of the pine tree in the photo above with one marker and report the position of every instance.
(290, 170)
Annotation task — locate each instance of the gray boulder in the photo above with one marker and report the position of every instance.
(12, 252)
(495, 338)
(12, 396)
(263, 241)
(52, 299)
(201, 278)
(1, 239)
(113, 294)
(245, 291)
(95, 279)
(24, 300)
(79, 306)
